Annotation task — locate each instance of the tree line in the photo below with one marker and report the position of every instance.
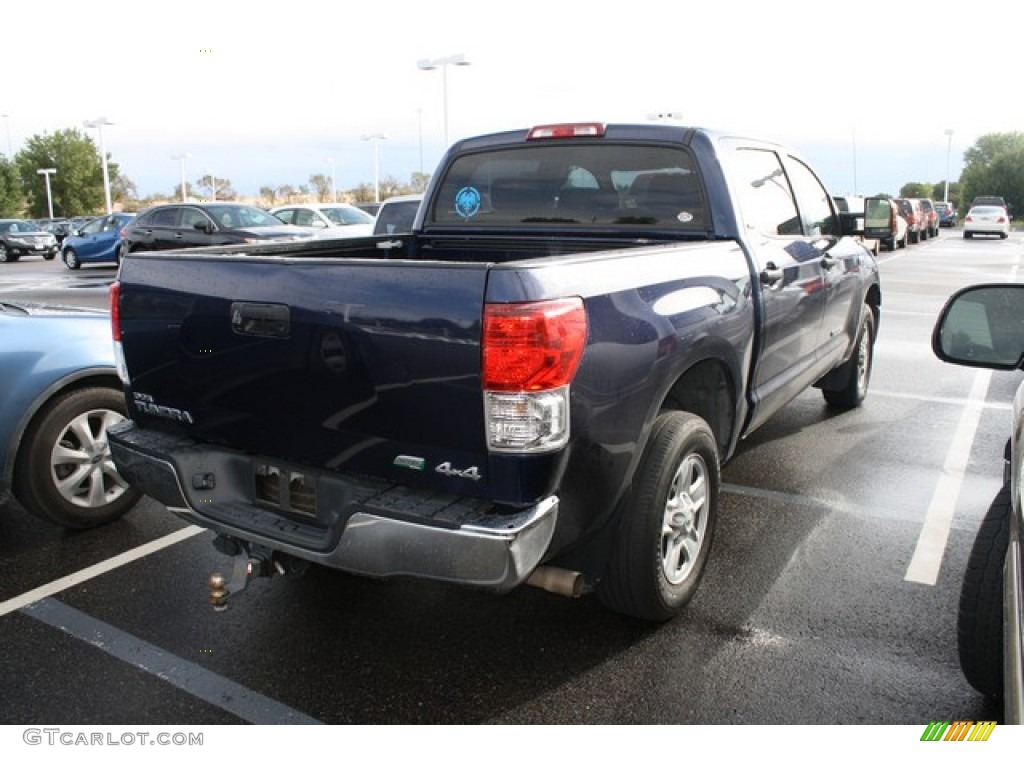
(993, 165)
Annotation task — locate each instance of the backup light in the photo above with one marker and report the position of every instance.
(530, 355)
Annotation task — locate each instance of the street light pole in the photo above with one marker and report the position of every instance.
(45, 172)
(459, 60)
(949, 147)
(98, 124)
(181, 159)
(213, 185)
(7, 125)
(375, 138)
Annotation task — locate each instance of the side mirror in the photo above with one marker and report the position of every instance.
(982, 326)
(878, 215)
(203, 226)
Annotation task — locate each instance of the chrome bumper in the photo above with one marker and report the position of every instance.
(480, 548)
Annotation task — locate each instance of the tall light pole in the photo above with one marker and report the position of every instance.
(458, 60)
(949, 147)
(334, 185)
(213, 186)
(7, 126)
(375, 138)
(98, 124)
(181, 159)
(49, 198)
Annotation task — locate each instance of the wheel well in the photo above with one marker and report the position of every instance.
(96, 380)
(707, 390)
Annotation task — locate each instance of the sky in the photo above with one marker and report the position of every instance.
(270, 94)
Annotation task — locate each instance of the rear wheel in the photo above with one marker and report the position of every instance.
(666, 535)
(979, 626)
(968, 235)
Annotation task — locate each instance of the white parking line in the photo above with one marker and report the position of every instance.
(931, 543)
(48, 590)
(185, 675)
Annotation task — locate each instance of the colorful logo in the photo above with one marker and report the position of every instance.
(958, 730)
(467, 202)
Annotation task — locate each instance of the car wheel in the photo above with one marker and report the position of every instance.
(903, 242)
(979, 625)
(64, 471)
(857, 370)
(3, 254)
(968, 235)
(71, 259)
(1003, 235)
(669, 522)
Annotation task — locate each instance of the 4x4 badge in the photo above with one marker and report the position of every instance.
(466, 474)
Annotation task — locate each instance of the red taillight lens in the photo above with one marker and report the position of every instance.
(532, 347)
(565, 131)
(115, 310)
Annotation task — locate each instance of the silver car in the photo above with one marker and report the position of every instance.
(983, 326)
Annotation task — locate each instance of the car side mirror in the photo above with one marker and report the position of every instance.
(982, 326)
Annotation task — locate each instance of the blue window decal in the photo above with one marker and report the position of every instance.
(467, 202)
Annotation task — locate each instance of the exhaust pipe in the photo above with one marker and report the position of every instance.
(557, 580)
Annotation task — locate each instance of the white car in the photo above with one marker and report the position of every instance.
(987, 220)
(331, 219)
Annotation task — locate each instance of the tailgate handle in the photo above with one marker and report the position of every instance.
(270, 320)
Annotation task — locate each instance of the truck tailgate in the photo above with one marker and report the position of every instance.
(373, 366)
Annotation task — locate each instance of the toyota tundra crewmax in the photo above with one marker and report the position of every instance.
(537, 385)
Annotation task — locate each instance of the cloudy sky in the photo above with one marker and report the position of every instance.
(266, 93)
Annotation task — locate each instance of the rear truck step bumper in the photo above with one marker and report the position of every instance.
(362, 526)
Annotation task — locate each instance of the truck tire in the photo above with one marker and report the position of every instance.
(979, 624)
(669, 523)
(64, 472)
(857, 369)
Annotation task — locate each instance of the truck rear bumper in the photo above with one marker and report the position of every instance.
(365, 527)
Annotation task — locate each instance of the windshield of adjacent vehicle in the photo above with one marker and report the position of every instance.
(235, 216)
(346, 216)
(18, 226)
(561, 184)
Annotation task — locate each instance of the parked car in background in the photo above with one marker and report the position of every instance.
(910, 210)
(990, 200)
(19, 237)
(192, 225)
(899, 229)
(335, 219)
(947, 214)
(59, 393)
(370, 208)
(931, 217)
(59, 228)
(987, 220)
(397, 214)
(98, 242)
(981, 327)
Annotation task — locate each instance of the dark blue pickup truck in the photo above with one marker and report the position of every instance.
(538, 385)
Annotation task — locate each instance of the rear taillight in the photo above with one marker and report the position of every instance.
(530, 356)
(115, 310)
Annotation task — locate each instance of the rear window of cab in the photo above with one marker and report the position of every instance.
(573, 184)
